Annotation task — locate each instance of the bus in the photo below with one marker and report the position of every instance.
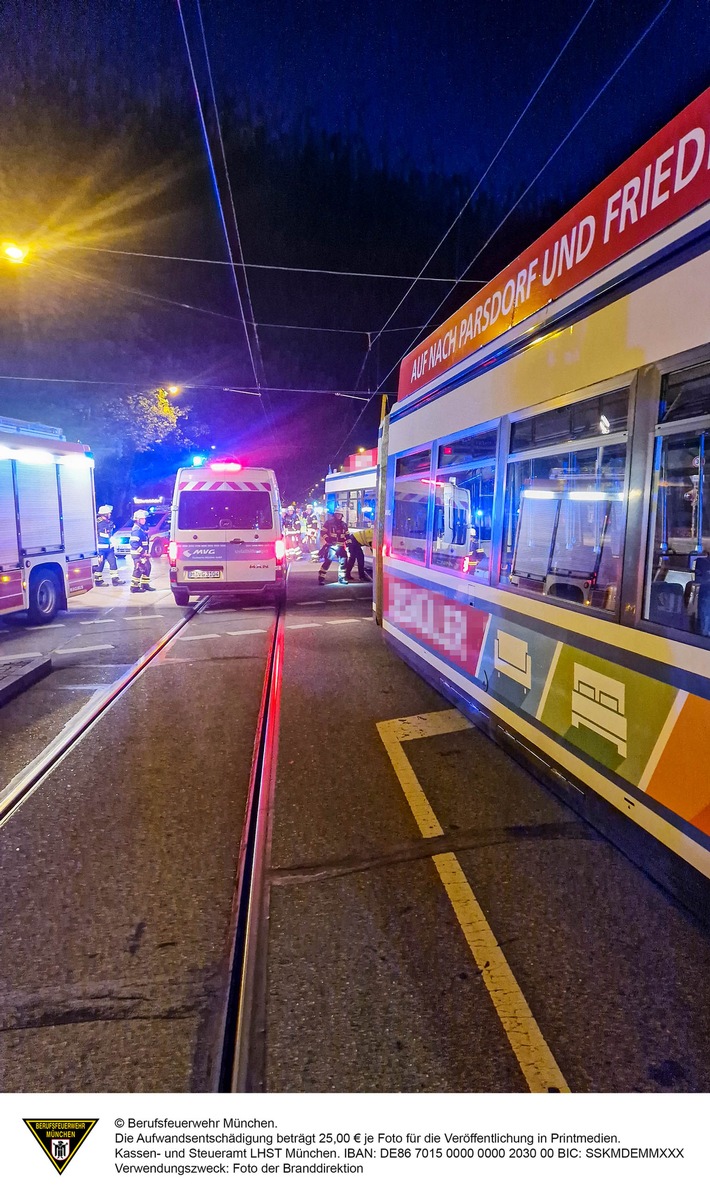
(47, 519)
(544, 545)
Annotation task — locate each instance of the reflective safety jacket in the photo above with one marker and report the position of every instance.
(334, 532)
(105, 529)
(140, 540)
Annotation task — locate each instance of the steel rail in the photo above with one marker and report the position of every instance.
(29, 778)
(240, 1068)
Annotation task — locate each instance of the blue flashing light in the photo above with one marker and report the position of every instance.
(198, 460)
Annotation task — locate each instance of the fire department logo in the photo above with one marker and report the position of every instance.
(60, 1138)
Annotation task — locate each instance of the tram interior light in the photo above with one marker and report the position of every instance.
(539, 494)
(590, 495)
(604, 424)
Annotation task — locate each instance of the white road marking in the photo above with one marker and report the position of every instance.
(54, 626)
(310, 603)
(194, 638)
(370, 619)
(142, 617)
(81, 650)
(252, 630)
(536, 1061)
(302, 625)
(251, 608)
(95, 621)
(340, 621)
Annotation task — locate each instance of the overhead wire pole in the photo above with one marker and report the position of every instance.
(215, 183)
(535, 178)
(373, 340)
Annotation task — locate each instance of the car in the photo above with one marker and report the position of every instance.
(158, 526)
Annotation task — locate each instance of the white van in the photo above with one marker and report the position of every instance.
(225, 533)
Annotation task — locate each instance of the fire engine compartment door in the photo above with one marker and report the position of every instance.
(38, 499)
(78, 507)
(9, 550)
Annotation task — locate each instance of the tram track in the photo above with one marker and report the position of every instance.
(241, 1068)
(36, 772)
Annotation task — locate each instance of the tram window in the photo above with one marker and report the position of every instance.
(686, 394)
(585, 419)
(415, 464)
(367, 508)
(564, 523)
(464, 450)
(409, 519)
(463, 509)
(678, 582)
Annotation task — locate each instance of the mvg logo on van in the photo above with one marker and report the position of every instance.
(202, 551)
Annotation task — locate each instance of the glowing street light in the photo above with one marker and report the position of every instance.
(15, 253)
(174, 389)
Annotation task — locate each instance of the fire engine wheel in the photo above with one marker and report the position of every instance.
(157, 548)
(45, 597)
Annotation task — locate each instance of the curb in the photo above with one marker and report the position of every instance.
(22, 675)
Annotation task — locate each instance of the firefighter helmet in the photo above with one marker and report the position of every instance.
(140, 513)
(105, 510)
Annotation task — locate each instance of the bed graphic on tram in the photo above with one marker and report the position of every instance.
(546, 524)
(598, 703)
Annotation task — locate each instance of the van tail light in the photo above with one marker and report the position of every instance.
(172, 553)
(280, 549)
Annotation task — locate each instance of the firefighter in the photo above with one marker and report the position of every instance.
(140, 542)
(357, 539)
(105, 528)
(335, 533)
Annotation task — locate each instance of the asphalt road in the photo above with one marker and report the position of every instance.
(119, 872)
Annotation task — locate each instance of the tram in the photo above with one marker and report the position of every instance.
(544, 545)
(353, 491)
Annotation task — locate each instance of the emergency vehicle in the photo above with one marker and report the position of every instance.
(226, 535)
(47, 519)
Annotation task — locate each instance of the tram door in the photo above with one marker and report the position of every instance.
(455, 530)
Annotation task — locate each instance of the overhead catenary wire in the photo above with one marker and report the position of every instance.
(544, 167)
(142, 385)
(361, 275)
(490, 166)
(112, 285)
(459, 280)
(213, 173)
(231, 196)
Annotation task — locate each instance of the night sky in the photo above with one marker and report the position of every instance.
(426, 86)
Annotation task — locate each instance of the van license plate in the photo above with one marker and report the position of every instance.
(204, 575)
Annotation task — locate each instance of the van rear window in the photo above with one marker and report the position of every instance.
(224, 511)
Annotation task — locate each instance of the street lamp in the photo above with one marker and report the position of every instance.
(15, 253)
(174, 389)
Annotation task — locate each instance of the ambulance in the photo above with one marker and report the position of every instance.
(47, 519)
(226, 537)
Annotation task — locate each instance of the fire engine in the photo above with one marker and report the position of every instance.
(47, 519)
